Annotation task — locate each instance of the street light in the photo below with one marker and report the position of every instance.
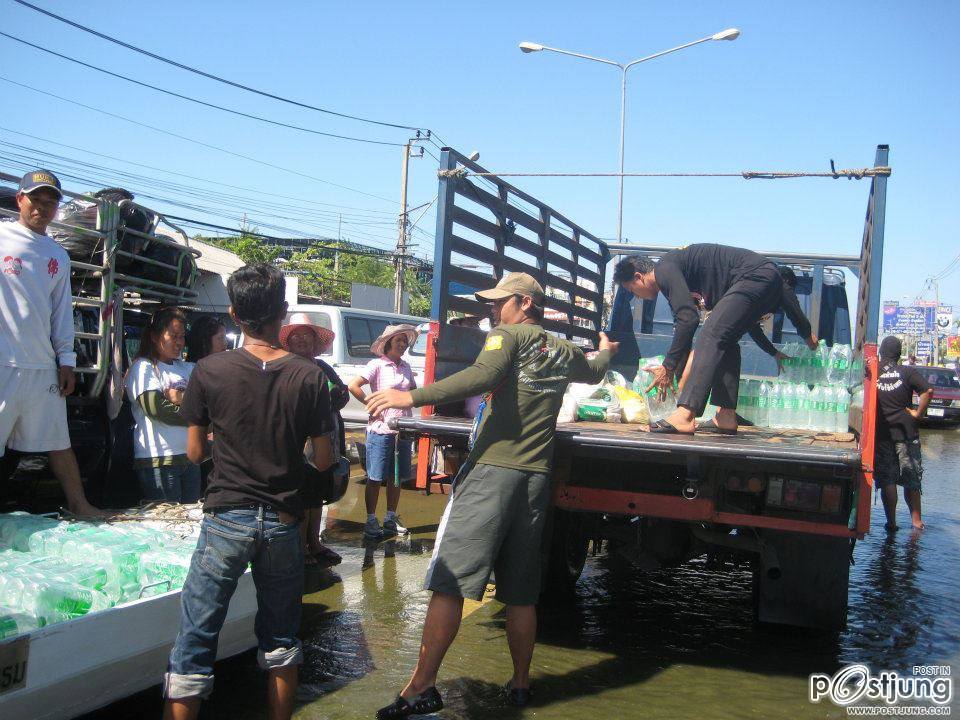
(529, 47)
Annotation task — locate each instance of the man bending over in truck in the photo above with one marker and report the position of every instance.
(499, 499)
(261, 403)
(36, 337)
(739, 287)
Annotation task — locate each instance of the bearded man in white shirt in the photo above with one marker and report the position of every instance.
(36, 337)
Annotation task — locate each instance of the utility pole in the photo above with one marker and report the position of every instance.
(336, 253)
(399, 260)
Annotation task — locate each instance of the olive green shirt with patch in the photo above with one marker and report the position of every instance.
(527, 371)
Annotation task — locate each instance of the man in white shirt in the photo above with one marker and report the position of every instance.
(36, 336)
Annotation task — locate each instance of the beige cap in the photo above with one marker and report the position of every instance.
(516, 283)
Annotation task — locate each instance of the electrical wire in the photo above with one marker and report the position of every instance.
(208, 75)
(194, 141)
(196, 100)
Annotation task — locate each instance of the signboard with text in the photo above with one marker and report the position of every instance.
(921, 318)
(953, 347)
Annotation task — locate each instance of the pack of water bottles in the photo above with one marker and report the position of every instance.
(52, 571)
(658, 408)
(813, 391)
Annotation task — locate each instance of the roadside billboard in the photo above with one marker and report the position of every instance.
(953, 347)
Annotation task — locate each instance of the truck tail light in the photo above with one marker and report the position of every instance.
(745, 483)
(801, 495)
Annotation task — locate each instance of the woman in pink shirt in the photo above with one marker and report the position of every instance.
(387, 371)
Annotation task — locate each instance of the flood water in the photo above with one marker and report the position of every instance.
(670, 644)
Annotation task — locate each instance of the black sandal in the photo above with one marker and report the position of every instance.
(664, 427)
(711, 426)
(426, 703)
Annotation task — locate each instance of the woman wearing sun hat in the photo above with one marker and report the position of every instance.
(304, 338)
(387, 371)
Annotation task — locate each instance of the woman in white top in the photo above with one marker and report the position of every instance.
(155, 384)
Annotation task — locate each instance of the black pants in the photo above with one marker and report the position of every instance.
(716, 360)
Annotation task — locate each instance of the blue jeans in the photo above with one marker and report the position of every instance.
(229, 540)
(175, 483)
(380, 447)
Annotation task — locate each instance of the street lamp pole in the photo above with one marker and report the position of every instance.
(529, 47)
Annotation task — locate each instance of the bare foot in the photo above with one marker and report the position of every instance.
(683, 420)
(918, 524)
(891, 527)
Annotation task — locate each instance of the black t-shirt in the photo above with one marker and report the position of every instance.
(895, 388)
(707, 270)
(261, 414)
(791, 306)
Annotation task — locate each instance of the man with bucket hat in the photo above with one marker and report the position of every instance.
(36, 336)
(499, 500)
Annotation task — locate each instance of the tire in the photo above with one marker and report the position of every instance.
(564, 552)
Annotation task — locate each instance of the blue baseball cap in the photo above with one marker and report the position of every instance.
(39, 179)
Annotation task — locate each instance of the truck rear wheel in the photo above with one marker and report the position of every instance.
(802, 580)
(564, 552)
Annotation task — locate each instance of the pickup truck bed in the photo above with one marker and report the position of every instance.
(804, 446)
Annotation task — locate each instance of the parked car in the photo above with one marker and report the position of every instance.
(945, 405)
(350, 352)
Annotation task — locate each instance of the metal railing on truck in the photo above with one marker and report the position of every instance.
(109, 287)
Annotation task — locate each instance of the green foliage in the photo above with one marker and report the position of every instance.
(327, 277)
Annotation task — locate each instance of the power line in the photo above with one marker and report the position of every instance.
(197, 101)
(192, 140)
(208, 75)
(194, 177)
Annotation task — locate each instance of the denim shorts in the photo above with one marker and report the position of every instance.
(898, 463)
(229, 540)
(380, 448)
(174, 483)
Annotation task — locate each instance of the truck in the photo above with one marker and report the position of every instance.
(790, 505)
(126, 260)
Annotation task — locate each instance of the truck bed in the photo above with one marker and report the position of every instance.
(750, 443)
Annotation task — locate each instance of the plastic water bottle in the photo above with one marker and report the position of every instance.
(776, 405)
(13, 623)
(762, 418)
(818, 407)
(803, 407)
(829, 409)
(838, 371)
(856, 373)
(842, 416)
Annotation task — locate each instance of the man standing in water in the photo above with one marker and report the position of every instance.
(897, 458)
(498, 503)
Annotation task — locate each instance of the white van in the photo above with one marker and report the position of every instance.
(350, 351)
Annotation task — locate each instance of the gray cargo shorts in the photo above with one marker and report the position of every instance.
(493, 522)
(898, 463)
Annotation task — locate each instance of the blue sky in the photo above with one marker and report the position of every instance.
(806, 82)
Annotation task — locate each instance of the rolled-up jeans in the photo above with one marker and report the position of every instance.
(229, 540)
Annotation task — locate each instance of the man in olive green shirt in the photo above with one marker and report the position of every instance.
(499, 500)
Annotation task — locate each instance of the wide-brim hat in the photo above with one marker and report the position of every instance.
(376, 347)
(324, 335)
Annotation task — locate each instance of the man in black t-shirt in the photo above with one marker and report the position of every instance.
(738, 287)
(261, 403)
(897, 459)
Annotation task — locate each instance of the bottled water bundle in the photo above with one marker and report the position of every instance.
(786, 405)
(659, 409)
(51, 571)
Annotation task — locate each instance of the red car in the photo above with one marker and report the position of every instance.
(945, 405)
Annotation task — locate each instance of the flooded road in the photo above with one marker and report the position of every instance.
(627, 645)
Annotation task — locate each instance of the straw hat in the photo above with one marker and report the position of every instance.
(376, 347)
(302, 320)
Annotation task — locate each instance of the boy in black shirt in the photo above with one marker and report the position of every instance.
(897, 459)
(261, 403)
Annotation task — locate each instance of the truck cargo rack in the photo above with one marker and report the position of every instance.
(110, 285)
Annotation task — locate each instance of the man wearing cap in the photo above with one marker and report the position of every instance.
(36, 336)
(498, 504)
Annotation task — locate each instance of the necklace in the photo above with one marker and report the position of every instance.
(258, 344)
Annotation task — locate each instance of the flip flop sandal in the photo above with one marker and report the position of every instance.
(664, 427)
(426, 703)
(326, 556)
(711, 426)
